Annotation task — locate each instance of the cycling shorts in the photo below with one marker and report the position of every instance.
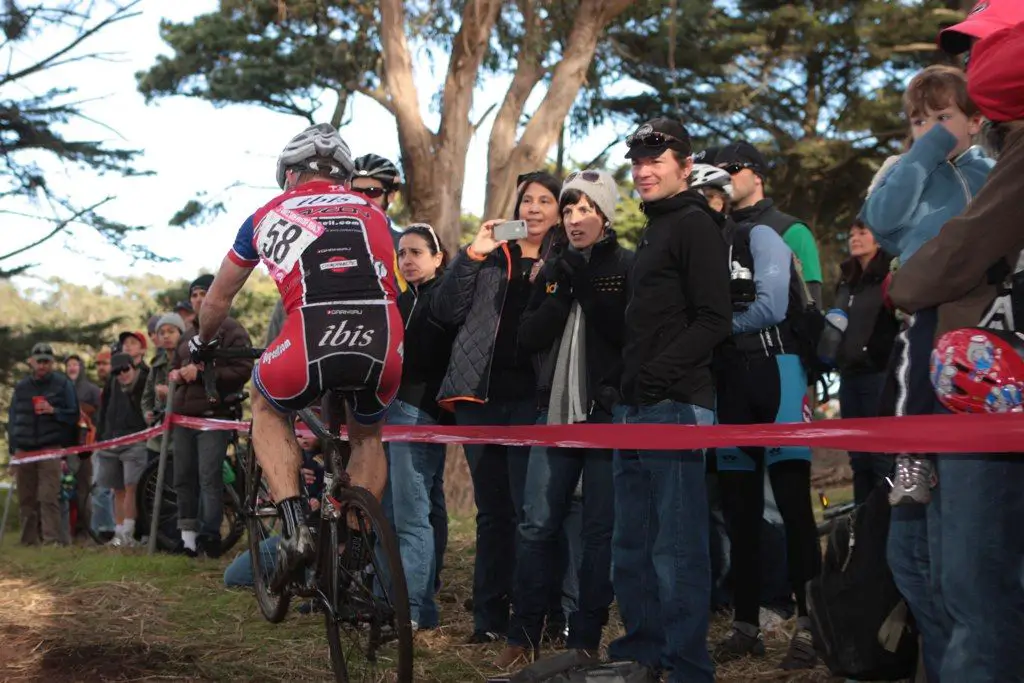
(762, 390)
(351, 347)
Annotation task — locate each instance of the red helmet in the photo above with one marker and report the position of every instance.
(975, 370)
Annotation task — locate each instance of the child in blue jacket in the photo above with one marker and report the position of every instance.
(933, 182)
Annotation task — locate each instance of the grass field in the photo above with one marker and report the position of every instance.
(97, 614)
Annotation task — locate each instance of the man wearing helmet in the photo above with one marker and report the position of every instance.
(377, 179)
(329, 251)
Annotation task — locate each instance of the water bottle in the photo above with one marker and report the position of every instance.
(742, 289)
(832, 336)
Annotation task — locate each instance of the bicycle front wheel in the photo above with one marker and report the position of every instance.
(369, 631)
(263, 527)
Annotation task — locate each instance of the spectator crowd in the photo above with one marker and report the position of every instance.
(716, 317)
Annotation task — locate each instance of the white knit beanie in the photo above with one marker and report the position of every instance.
(600, 188)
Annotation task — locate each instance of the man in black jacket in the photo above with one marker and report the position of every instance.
(43, 414)
(679, 310)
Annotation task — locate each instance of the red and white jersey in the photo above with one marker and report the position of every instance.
(321, 244)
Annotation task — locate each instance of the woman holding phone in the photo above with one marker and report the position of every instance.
(490, 381)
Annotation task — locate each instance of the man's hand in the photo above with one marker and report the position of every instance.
(189, 373)
(308, 476)
(161, 392)
(44, 408)
(199, 350)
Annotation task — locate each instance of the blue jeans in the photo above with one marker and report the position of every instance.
(199, 479)
(976, 543)
(499, 475)
(860, 396)
(416, 469)
(550, 483)
(661, 569)
(239, 573)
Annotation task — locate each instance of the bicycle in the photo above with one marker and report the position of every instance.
(357, 578)
(232, 524)
(832, 515)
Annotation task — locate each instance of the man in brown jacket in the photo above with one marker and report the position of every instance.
(976, 539)
(198, 455)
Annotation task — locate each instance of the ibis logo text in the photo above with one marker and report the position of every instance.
(341, 335)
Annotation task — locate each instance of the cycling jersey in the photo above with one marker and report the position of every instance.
(331, 254)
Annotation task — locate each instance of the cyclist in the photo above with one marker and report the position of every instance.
(378, 180)
(329, 251)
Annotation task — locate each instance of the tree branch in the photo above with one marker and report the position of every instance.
(483, 117)
(61, 225)
(119, 14)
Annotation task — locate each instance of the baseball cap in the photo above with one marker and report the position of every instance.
(42, 351)
(103, 354)
(183, 306)
(119, 361)
(151, 323)
(744, 154)
(652, 138)
(984, 19)
(996, 81)
(707, 156)
(138, 335)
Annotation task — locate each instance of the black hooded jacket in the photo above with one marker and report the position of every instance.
(871, 328)
(679, 306)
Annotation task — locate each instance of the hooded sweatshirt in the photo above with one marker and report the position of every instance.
(922, 191)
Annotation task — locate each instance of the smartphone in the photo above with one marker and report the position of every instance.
(510, 230)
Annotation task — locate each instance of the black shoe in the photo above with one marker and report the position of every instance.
(209, 545)
(801, 654)
(483, 638)
(293, 556)
(737, 645)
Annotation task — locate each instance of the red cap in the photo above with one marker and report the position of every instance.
(995, 80)
(138, 335)
(984, 19)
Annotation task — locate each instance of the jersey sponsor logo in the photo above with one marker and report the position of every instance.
(273, 354)
(341, 335)
(382, 270)
(336, 264)
(318, 200)
(345, 311)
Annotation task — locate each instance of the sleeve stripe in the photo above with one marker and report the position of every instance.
(240, 260)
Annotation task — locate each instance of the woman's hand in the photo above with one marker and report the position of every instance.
(484, 242)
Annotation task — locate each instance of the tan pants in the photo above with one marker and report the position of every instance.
(39, 501)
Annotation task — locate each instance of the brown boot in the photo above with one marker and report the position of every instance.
(513, 656)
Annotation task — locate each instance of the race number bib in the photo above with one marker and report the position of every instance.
(281, 238)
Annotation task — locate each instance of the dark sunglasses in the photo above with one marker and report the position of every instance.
(371, 192)
(733, 169)
(121, 371)
(589, 176)
(652, 140)
(527, 177)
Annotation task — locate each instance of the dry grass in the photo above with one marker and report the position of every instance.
(92, 614)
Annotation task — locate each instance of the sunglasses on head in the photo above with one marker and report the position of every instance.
(425, 229)
(589, 176)
(371, 192)
(652, 140)
(527, 177)
(121, 371)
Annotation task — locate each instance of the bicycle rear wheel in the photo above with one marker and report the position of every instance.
(364, 585)
(262, 524)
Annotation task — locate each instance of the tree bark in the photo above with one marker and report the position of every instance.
(507, 159)
(435, 163)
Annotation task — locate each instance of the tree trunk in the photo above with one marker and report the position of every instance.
(505, 159)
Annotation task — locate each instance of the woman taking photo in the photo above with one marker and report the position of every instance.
(416, 481)
(491, 382)
(574, 327)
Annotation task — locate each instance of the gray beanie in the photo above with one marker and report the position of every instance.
(600, 188)
(171, 319)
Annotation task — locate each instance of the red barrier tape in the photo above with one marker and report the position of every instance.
(911, 434)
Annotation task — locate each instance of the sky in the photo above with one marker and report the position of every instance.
(192, 146)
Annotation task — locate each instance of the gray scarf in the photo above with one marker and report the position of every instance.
(568, 402)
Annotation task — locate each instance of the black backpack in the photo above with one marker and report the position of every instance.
(861, 624)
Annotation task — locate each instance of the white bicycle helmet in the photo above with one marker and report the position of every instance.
(309, 148)
(704, 175)
(376, 166)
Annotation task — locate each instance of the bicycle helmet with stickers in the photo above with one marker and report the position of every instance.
(976, 370)
(705, 175)
(312, 150)
(379, 168)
